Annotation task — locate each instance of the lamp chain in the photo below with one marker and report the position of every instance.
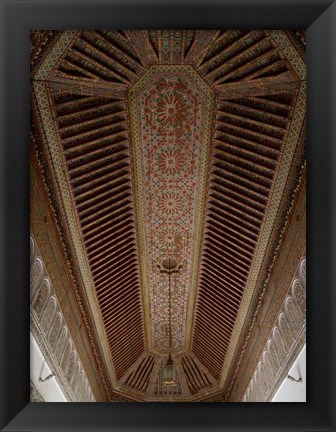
(170, 335)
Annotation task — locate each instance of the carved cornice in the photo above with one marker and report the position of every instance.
(51, 332)
(286, 340)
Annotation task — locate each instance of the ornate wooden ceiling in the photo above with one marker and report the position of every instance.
(157, 144)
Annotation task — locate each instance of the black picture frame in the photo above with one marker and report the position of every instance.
(17, 19)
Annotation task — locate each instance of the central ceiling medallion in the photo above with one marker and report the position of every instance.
(171, 113)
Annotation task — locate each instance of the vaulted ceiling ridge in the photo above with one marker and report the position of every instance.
(298, 174)
(38, 139)
(130, 346)
(199, 343)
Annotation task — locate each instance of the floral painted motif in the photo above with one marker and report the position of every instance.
(170, 238)
(171, 107)
(171, 110)
(171, 160)
(171, 203)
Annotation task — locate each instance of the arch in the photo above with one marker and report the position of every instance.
(36, 276)
(263, 378)
(286, 331)
(268, 368)
(295, 317)
(279, 345)
(80, 386)
(41, 297)
(71, 367)
(48, 315)
(255, 386)
(66, 356)
(299, 295)
(303, 271)
(75, 378)
(32, 249)
(55, 329)
(60, 344)
(273, 357)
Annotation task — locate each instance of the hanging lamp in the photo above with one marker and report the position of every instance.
(169, 376)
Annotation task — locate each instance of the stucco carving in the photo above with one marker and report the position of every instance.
(51, 333)
(34, 394)
(285, 342)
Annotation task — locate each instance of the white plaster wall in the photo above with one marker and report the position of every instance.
(291, 391)
(49, 390)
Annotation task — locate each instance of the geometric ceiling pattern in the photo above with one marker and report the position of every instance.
(168, 144)
(171, 110)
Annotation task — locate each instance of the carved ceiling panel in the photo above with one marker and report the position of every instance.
(171, 110)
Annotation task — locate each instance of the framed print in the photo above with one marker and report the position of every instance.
(163, 188)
